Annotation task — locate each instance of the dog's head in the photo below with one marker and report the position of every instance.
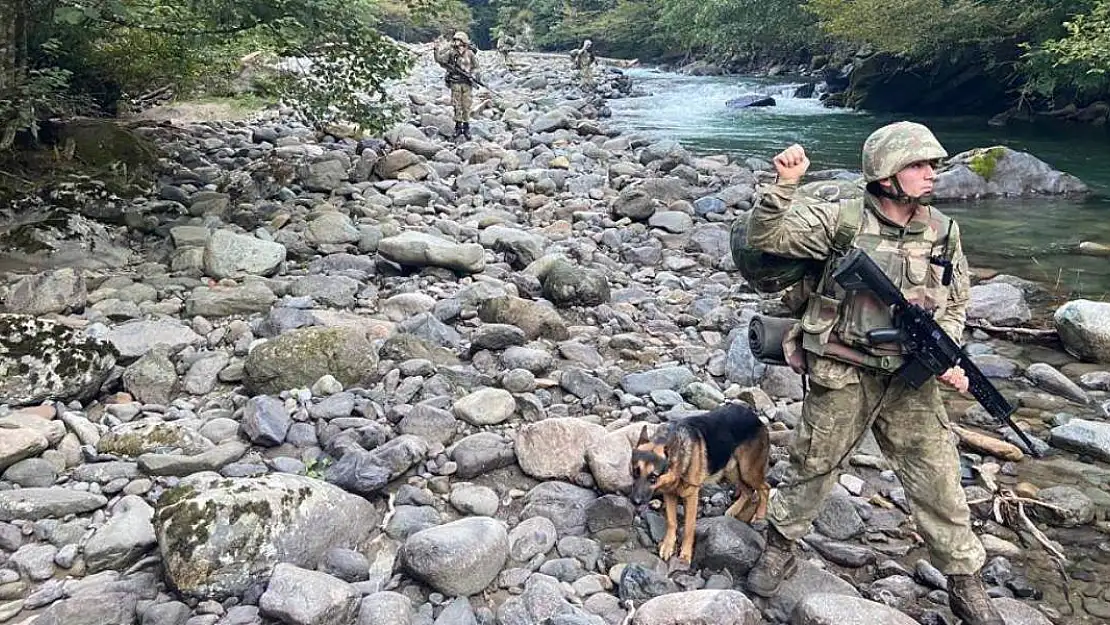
(649, 463)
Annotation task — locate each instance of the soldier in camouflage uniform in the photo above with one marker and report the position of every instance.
(852, 386)
(462, 68)
(584, 60)
(505, 45)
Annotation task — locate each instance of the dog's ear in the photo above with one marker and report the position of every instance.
(643, 436)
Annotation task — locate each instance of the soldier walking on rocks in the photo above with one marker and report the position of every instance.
(853, 386)
(462, 75)
(584, 60)
(505, 44)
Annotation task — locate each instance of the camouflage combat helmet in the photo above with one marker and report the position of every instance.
(461, 36)
(893, 147)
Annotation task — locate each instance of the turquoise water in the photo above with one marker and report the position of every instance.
(1034, 238)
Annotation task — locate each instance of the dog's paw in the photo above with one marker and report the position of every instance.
(666, 549)
(686, 556)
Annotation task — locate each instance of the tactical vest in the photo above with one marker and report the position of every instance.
(835, 323)
(452, 60)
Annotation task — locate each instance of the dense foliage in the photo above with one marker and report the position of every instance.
(1048, 48)
(59, 57)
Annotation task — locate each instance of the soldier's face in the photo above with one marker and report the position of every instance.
(917, 178)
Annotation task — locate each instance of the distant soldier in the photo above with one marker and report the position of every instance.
(462, 75)
(505, 44)
(583, 58)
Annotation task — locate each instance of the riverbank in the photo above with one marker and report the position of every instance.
(410, 369)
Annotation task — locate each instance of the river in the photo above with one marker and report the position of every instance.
(1030, 238)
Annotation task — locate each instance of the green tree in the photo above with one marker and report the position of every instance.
(728, 27)
(60, 50)
(1078, 62)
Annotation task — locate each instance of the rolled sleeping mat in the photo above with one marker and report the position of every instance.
(765, 336)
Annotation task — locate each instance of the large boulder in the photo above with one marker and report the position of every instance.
(459, 558)
(720, 607)
(556, 448)
(1000, 171)
(221, 536)
(19, 443)
(131, 440)
(49, 292)
(42, 359)
(1084, 328)
(125, 538)
(536, 320)
(566, 284)
(420, 250)
(231, 255)
(1084, 437)
(998, 303)
(299, 357)
(831, 609)
(135, 338)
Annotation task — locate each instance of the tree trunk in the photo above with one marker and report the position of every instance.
(13, 43)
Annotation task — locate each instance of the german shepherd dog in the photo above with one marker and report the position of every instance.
(682, 455)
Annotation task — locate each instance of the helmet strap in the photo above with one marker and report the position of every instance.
(897, 194)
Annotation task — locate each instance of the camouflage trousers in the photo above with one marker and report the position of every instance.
(912, 429)
(462, 97)
(586, 75)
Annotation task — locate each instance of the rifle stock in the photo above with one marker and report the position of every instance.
(929, 351)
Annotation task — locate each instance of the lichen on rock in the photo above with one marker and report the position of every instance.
(220, 536)
(42, 359)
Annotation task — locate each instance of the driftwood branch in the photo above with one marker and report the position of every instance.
(993, 446)
(1012, 331)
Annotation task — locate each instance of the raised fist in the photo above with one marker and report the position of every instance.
(791, 164)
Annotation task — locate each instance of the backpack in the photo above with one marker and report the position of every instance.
(768, 273)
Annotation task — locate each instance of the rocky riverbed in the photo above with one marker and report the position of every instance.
(390, 381)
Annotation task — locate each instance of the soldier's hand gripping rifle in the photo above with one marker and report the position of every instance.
(929, 351)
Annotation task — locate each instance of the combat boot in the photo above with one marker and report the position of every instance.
(458, 130)
(969, 601)
(775, 565)
(466, 130)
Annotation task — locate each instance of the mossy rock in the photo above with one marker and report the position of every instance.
(983, 161)
(41, 359)
(103, 142)
(132, 440)
(299, 357)
(219, 536)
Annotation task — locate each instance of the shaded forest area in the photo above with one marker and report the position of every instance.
(61, 58)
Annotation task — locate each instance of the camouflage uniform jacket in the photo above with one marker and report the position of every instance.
(835, 323)
(452, 60)
(583, 58)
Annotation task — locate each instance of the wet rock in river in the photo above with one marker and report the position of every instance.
(1000, 304)
(1084, 328)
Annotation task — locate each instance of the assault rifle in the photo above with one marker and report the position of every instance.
(471, 78)
(929, 350)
